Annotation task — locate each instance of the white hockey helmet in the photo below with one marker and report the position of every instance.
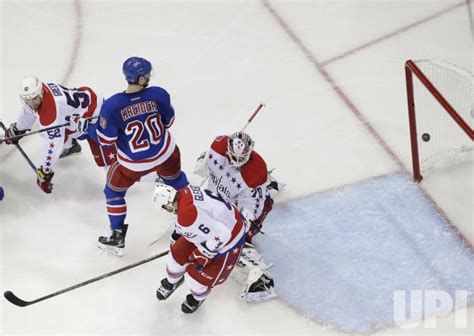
(239, 148)
(164, 195)
(31, 87)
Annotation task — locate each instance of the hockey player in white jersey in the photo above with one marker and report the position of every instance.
(239, 174)
(212, 236)
(52, 104)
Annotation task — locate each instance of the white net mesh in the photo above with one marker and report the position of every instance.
(441, 141)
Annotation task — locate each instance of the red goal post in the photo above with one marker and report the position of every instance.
(441, 114)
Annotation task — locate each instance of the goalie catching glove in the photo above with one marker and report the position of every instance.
(201, 257)
(200, 167)
(44, 180)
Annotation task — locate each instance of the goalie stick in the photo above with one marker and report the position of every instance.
(253, 116)
(10, 296)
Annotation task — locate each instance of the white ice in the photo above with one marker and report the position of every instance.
(218, 59)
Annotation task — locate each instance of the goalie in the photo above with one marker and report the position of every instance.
(239, 174)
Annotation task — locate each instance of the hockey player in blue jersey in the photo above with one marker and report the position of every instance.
(137, 122)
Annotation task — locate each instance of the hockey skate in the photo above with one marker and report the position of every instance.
(190, 305)
(75, 149)
(167, 288)
(115, 243)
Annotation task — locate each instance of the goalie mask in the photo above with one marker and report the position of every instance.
(164, 197)
(239, 148)
(31, 87)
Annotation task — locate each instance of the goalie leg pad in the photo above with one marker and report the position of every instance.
(252, 273)
(261, 290)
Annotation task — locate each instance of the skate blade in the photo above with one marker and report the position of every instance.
(69, 155)
(116, 251)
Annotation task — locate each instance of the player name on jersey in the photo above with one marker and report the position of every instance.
(139, 108)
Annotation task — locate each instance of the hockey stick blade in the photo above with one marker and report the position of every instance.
(15, 299)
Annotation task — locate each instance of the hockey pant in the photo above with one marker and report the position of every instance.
(200, 283)
(120, 179)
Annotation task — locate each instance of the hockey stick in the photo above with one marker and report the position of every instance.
(21, 303)
(157, 239)
(253, 116)
(17, 137)
(32, 165)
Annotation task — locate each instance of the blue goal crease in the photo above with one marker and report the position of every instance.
(339, 256)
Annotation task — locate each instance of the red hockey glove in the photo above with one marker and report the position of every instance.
(44, 180)
(11, 132)
(201, 257)
(255, 226)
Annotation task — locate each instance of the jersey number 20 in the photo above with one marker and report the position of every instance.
(154, 128)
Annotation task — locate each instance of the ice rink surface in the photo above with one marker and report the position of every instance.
(332, 77)
(410, 249)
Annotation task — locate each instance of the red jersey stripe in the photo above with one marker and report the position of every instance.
(154, 158)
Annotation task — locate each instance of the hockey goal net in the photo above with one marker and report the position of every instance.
(441, 114)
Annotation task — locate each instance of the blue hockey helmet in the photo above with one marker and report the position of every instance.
(134, 67)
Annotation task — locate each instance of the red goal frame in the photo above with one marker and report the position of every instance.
(412, 69)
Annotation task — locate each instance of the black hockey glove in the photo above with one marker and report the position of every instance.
(11, 132)
(44, 180)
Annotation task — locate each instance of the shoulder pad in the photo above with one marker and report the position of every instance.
(255, 172)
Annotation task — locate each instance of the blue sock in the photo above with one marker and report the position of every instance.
(116, 208)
